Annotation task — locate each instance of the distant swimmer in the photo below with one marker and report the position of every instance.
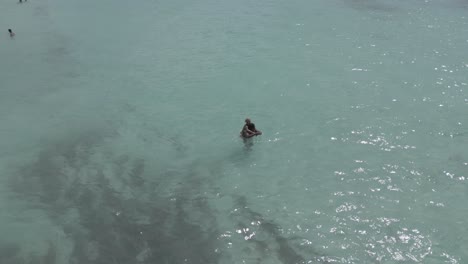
(249, 130)
(12, 34)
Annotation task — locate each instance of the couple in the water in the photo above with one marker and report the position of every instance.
(249, 130)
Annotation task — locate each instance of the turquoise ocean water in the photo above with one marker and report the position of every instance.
(119, 125)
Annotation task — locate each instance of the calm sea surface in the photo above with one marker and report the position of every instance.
(120, 120)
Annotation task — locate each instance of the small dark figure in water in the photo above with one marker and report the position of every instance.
(249, 130)
(12, 34)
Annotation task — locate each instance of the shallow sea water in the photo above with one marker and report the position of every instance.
(119, 128)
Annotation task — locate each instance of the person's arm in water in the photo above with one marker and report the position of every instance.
(246, 132)
(253, 132)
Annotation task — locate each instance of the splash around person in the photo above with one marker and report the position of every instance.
(249, 130)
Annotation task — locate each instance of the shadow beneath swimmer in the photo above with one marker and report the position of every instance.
(248, 143)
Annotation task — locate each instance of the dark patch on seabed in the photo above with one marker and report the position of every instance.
(112, 228)
(454, 4)
(371, 5)
(268, 238)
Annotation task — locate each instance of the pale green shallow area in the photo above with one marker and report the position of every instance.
(119, 125)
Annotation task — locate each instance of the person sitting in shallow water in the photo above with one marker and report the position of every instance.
(249, 130)
(12, 34)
